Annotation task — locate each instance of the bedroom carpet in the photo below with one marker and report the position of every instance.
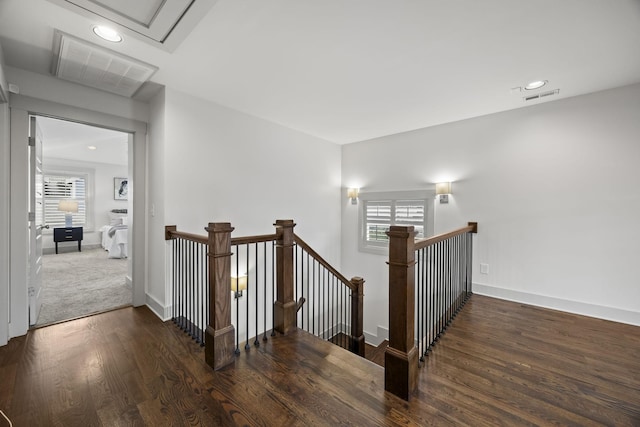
(79, 283)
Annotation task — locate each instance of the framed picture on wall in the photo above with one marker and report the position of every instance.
(121, 188)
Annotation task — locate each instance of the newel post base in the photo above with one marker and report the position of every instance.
(284, 309)
(219, 344)
(401, 372)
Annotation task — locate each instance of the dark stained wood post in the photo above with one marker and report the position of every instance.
(401, 357)
(285, 306)
(357, 322)
(220, 334)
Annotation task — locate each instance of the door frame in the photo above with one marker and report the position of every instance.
(21, 107)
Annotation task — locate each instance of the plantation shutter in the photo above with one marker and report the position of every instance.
(64, 187)
(381, 214)
(378, 220)
(411, 212)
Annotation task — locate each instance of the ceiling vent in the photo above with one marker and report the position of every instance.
(91, 65)
(541, 95)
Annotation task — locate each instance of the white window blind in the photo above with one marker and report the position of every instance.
(379, 215)
(60, 187)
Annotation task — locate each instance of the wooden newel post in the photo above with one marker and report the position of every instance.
(357, 333)
(285, 306)
(401, 357)
(220, 333)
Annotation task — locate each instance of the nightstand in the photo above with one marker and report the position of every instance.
(68, 234)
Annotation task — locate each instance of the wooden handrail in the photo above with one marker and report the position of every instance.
(323, 262)
(170, 232)
(253, 239)
(423, 243)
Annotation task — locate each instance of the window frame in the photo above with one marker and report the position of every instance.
(393, 197)
(66, 171)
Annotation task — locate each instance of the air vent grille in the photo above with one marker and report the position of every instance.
(541, 95)
(91, 65)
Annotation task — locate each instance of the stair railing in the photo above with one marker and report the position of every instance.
(227, 291)
(441, 267)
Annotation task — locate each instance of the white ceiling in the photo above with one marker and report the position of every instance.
(353, 70)
(71, 141)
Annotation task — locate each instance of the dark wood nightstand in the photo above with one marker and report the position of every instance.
(68, 234)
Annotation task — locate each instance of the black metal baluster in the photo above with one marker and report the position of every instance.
(273, 291)
(183, 310)
(309, 293)
(198, 297)
(313, 317)
(246, 256)
(418, 303)
(174, 300)
(256, 342)
(264, 274)
(302, 288)
(237, 254)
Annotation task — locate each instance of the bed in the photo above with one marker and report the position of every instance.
(115, 236)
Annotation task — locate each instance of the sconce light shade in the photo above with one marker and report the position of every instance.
(443, 188)
(352, 193)
(238, 284)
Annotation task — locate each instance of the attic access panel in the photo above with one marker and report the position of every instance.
(161, 22)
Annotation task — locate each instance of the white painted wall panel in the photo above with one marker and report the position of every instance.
(554, 188)
(224, 165)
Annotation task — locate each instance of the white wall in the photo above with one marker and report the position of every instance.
(4, 222)
(51, 97)
(102, 190)
(222, 165)
(50, 88)
(155, 297)
(554, 188)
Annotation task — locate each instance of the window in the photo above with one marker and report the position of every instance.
(59, 187)
(379, 211)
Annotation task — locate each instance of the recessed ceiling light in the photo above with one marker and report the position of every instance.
(106, 33)
(535, 85)
(92, 147)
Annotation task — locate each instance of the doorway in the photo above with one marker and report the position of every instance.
(21, 109)
(84, 220)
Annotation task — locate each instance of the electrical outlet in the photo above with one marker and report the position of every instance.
(484, 268)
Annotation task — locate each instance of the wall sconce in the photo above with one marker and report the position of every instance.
(69, 207)
(352, 194)
(238, 284)
(443, 189)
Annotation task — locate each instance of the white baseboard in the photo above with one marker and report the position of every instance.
(576, 307)
(375, 339)
(164, 313)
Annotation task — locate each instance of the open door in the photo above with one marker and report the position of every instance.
(36, 220)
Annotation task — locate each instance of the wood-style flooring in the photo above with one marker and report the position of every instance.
(500, 363)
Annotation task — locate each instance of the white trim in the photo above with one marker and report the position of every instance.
(21, 107)
(376, 339)
(164, 313)
(576, 307)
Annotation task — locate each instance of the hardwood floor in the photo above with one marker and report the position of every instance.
(500, 363)
(376, 354)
